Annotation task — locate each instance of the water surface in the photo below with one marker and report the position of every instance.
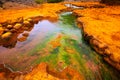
(59, 44)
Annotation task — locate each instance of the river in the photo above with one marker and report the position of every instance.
(60, 44)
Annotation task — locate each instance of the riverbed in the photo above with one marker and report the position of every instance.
(60, 44)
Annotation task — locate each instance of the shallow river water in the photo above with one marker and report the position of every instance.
(60, 44)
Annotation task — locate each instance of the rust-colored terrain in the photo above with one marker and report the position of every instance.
(101, 26)
(45, 10)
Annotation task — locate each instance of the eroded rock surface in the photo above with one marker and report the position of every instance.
(101, 29)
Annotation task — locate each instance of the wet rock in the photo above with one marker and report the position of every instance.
(40, 73)
(9, 26)
(26, 22)
(6, 35)
(23, 38)
(1, 30)
(25, 34)
(17, 26)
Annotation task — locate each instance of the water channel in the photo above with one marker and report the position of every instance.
(60, 44)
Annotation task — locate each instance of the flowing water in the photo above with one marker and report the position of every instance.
(60, 44)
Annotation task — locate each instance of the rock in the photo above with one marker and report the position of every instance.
(12, 30)
(25, 34)
(17, 26)
(1, 30)
(6, 30)
(30, 20)
(107, 51)
(40, 73)
(9, 26)
(26, 22)
(23, 38)
(101, 45)
(25, 28)
(6, 35)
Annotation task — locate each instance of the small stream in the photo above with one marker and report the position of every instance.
(60, 44)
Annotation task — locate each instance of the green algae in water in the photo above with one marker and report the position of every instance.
(72, 52)
(83, 59)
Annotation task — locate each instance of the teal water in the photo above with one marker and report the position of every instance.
(60, 45)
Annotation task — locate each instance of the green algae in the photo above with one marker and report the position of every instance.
(72, 52)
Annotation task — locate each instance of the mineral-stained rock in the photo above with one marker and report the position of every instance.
(17, 26)
(26, 22)
(6, 30)
(104, 27)
(25, 34)
(6, 35)
(40, 73)
(23, 38)
(9, 26)
(30, 20)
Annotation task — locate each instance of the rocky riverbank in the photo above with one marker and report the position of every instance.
(101, 30)
(100, 26)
